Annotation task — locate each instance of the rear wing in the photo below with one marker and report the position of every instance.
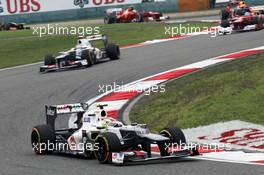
(257, 8)
(111, 10)
(96, 37)
(54, 110)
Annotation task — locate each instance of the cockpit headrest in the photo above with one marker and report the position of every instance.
(103, 113)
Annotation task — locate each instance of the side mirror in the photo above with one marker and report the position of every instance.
(105, 40)
(85, 106)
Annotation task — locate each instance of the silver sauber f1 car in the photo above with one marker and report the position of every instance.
(84, 54)
(94, 135)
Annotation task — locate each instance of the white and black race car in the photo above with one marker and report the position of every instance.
(94, 135)
(13, 26)
(84, 54)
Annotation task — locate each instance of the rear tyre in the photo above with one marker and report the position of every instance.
(113, 51)
(49, 60)
(20, 27)
(225, 23)
(106, 144)
(6, 27)
(141, 17)
(109, 20)
(43, 139)
(41, 70)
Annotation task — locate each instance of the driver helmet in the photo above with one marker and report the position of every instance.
(131, 8)
(242, 4)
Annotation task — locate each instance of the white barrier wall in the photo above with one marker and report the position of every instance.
(12, 7)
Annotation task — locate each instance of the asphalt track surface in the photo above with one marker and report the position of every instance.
(24, 92)
(101, 21)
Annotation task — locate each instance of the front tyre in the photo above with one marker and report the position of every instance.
(86, 55)
(113, 51)
(225, 23)
(109, 19)
(106, 143)
(259, 25)
(43, 139)
(174, 134)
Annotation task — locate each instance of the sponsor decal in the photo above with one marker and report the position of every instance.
(69, 108)
(118, 158)
(21, 6)
(234, 134)
(251, 137)
(72, 143)
(31, 6)
(109, 2)
(81, 3)
(51, 111)
(87, 120)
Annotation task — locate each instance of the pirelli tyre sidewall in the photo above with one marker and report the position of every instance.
(43, 139)
(225, 23)
(106, 143)
(109, 19)
(174, 134)
(88, 56)
(259, 23)
(113, 51)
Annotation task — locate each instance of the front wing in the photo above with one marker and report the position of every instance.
(122, 158)
(55, 67)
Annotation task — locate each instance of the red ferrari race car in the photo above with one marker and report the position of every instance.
(242, 19)
(119, 15)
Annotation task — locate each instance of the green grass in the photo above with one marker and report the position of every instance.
(230, 91)
(22, 47)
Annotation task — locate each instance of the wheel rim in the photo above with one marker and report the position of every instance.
(102, 153)
(35, 140)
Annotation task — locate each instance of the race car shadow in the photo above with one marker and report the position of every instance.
(240, 32)
(153, 162)
(171, 161)
(69, 155)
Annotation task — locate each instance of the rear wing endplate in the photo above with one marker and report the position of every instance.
(257, 8)
(53, 111)
(96, 37)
